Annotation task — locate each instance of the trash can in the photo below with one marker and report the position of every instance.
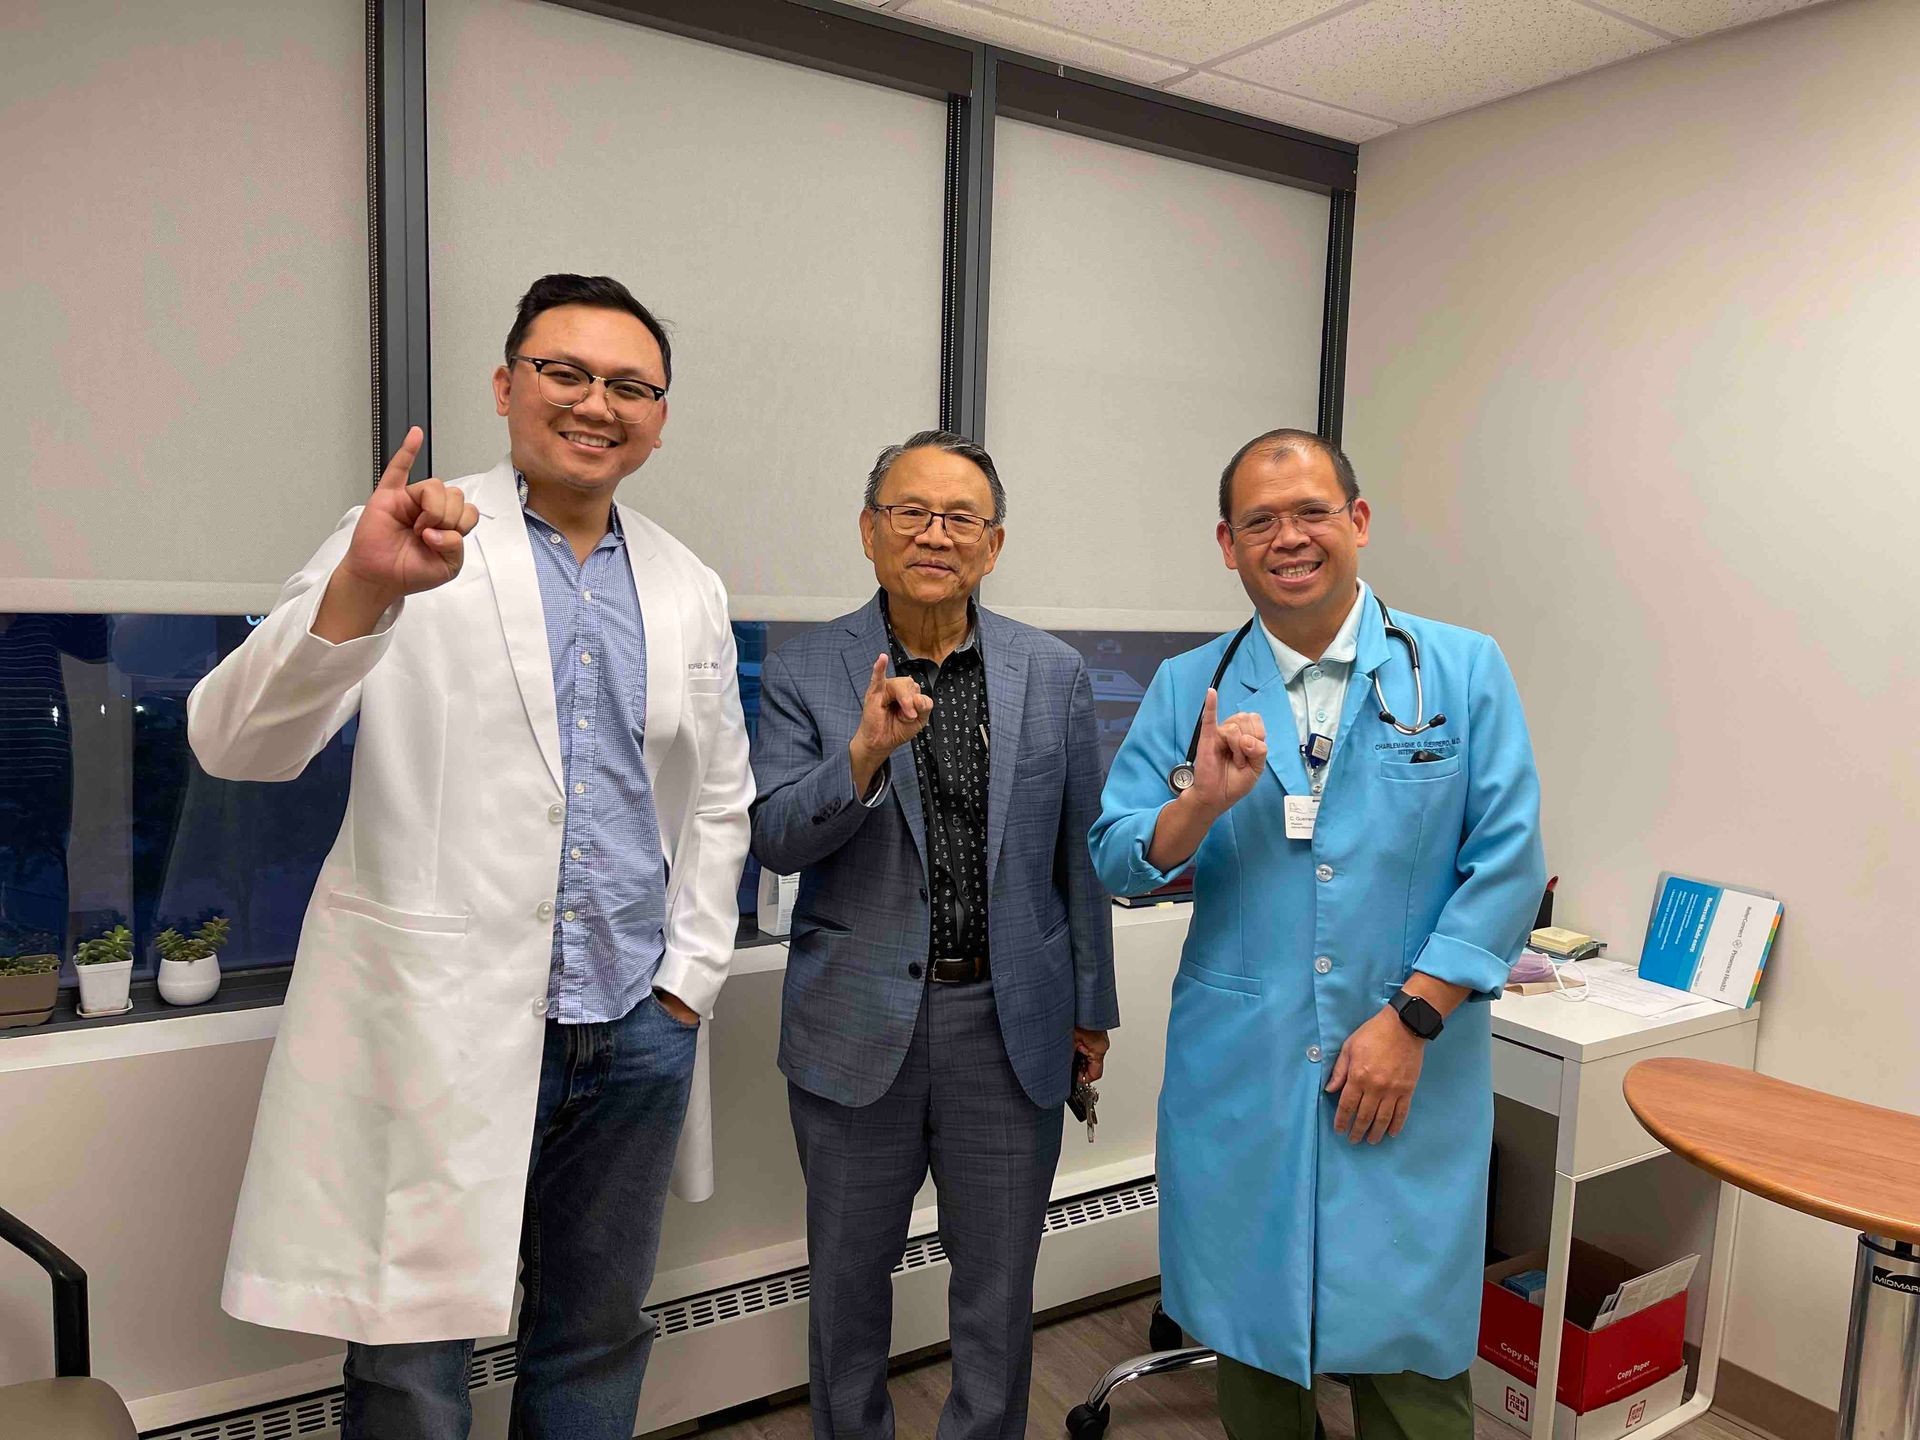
(1880, 1383)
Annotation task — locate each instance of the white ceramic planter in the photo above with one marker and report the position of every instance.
(189, 982)
(103, 988)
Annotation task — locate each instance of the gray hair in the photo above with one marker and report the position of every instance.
(952, 444)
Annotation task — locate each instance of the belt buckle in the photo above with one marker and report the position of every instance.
(969, 970)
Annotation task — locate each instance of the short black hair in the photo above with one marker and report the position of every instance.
(603, 292)
(1276, 442)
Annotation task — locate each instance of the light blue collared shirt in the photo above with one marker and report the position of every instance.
(609, 930)
(1317, 689)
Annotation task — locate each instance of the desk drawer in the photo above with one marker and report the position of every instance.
(1529, 1076)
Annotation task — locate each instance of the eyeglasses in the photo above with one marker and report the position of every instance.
(567, 385)
(963, 527)
(1263, 525)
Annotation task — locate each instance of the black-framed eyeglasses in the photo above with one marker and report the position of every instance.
(565, 385)
(1263, 525)
(962, 526)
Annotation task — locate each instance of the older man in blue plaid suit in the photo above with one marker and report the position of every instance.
(930, 769)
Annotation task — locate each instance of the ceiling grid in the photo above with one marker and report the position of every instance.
(1352, 69)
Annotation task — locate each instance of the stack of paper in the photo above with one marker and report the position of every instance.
(1649, 1289)
(1614, 984)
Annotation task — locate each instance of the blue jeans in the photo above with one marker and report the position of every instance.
(612, 1099)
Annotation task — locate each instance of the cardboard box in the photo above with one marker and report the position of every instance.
(1509, 1398)
(1597, 1367)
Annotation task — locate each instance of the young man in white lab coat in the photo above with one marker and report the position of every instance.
(491, 1031)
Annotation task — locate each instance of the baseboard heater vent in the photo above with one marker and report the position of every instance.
(316, 1414)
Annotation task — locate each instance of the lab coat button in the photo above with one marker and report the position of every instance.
(1323, 965)
(1313, 1054)
(556, 813)
(1323, 873)
(540, 1006)
(544, 910)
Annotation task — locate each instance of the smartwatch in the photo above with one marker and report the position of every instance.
(1416, 1014)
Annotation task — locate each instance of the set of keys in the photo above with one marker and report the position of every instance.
(1085, 1099)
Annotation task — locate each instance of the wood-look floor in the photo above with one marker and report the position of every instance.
(1068, 1357)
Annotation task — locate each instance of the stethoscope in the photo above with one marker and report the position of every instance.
(1181, 776)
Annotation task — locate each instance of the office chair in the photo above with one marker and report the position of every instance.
(72, 1405)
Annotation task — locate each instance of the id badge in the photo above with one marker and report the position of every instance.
(1301, 811)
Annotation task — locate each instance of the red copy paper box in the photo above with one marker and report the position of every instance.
(1597, 1367)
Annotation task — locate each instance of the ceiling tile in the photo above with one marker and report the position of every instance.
(1193, 30)
(1248, 99)
(1041, 40)
(1412, 60)
(1701, 17)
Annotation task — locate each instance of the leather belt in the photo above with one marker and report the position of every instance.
(959, 971)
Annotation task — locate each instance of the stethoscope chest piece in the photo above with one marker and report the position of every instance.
(1181, 778)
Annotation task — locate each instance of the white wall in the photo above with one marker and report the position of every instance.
(1631, 385)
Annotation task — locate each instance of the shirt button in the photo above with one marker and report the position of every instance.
(574, 852)
(566, 914)
(586, 657)
(1323, 873)
(553, 539)
(581, 722)
(1313, 672)
(1323, 964)
(556, 813)
(1313, 1054)
(1320, 715)
(544, 910)
(579, 787)
(586, 594)
(540, 1006)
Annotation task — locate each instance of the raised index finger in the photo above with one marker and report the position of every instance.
(877, 681)
(394, 477)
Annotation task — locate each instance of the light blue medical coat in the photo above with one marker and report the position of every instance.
(1282, 1244)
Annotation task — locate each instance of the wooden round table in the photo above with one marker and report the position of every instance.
(1847, 1162)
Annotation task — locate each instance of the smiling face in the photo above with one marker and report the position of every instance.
(1297, 579)
(584, 449)
(928, 569)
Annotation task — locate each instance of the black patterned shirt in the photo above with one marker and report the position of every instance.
(951, 757)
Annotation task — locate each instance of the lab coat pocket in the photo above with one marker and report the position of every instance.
(378, 1016)
(1407, 772)
(1220, 980)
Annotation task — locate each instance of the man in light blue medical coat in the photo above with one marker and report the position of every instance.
(1328, 1104)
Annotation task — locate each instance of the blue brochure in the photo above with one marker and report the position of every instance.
(1709, 939)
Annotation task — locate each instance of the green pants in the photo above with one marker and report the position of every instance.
(1257, 1406)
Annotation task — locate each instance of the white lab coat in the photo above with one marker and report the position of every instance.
(384, 1191)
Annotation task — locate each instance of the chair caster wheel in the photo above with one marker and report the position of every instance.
(1086, 1423)
(1163, 1333)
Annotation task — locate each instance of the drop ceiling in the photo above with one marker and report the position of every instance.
(1355, 69)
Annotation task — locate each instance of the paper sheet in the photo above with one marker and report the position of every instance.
(1619, 987)
(1649, 1289)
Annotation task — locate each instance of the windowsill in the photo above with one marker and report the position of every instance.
(243, 990)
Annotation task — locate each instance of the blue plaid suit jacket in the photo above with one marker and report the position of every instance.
(862, 914)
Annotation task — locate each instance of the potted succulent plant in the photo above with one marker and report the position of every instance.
(29, 978)
(105, 967)
(190, 964)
